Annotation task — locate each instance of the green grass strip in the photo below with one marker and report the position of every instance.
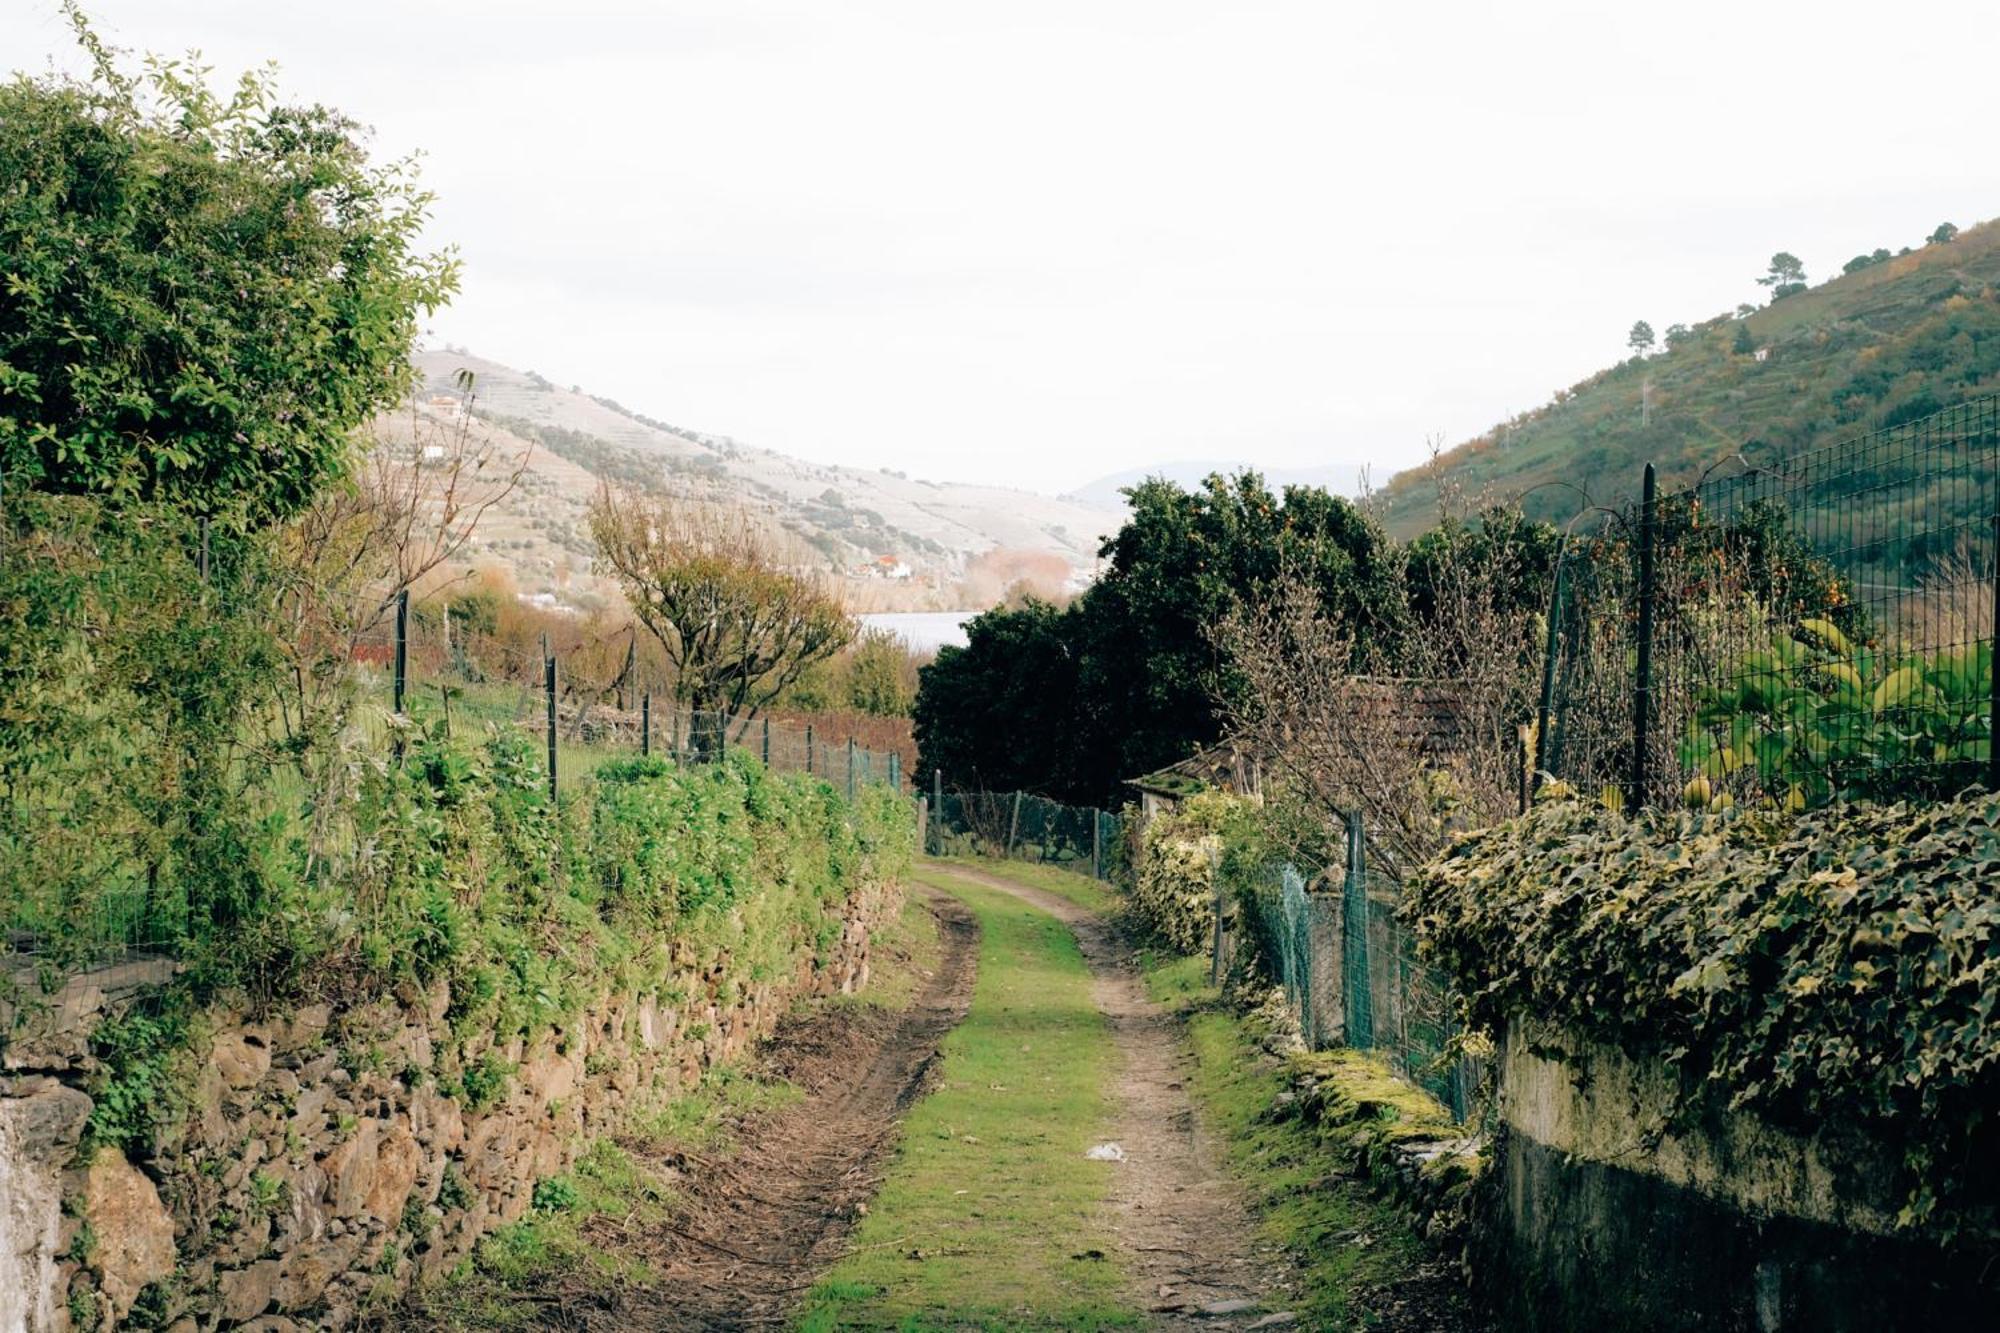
(990, 1209)
(1353, 1242)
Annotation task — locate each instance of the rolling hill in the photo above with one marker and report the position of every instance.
(851, 517)
(1895, 340)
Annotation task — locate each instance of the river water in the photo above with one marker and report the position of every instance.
(923, 631)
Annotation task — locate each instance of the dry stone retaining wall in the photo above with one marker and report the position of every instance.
(321, 1165)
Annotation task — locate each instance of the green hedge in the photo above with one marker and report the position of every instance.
(531, 910)
(1845, 964)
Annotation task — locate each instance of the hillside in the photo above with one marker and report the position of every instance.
(851, 517)
(1891, 342)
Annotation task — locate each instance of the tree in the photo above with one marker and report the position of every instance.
(996, 715)
(1869, 260)
(1640, 339)
(1130, 674)
(1678, 334)
(1745, 341)
(737, 624)
(336, 569)
(1943, 235)
(203, 296)
(1787, 276)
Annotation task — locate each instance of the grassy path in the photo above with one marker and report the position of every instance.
(990, 1217)
(1357, 1264)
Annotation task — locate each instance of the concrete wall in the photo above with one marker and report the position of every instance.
(1605, 1215)
(319, 1165)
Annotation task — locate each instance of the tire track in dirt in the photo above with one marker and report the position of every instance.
(760, 1226)
(1187, 1235)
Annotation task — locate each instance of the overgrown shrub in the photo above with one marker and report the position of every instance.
(1815, 717)
(528, 911)
(1844, 965)
(1182, 853)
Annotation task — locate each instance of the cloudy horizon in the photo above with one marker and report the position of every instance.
(1048, 242)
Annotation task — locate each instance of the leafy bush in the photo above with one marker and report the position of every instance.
(470, 872)
(1815, 718)
(1182, 854)
(204, 293)
(134, 1091)
(1841, 965)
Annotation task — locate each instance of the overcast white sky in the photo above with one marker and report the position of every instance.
(1036, 242)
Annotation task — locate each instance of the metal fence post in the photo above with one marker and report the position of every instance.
(1096, 843)
(1642, 679)
(767, 742)
(1993, 717)
(1358, 1003)
(646, 724)
(1543, 709)
(809, 747)
(402, 646)
(896, 773)
(850, 768)
(549, 676)
(1215, 882)
(1013, 825)
(937, 810)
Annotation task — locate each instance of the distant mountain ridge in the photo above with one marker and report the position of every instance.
(1901, 336)
(852, 516)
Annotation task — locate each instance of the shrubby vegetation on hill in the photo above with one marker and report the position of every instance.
(1888, 342)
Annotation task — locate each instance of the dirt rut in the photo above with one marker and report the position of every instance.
(763, 1223)
(1187, 1235)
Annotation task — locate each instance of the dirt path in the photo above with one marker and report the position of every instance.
(1188, 1237)
(760, 1226)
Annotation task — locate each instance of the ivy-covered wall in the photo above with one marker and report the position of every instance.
(1747, 1062)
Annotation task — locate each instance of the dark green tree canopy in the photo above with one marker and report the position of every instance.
(200, 298)
(992, 714)
(1129, 678)
(1786, 276)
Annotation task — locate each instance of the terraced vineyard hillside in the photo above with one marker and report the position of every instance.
(851, 517)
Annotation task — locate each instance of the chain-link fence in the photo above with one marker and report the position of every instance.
(1081, 839)
(1334, 940)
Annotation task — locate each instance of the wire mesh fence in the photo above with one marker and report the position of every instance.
(1334, 941)
(1082, 839)
(590, 698)
(1796, 631)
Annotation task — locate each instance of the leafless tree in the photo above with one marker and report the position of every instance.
(415, 499)
(1431, 741)
(737, 622)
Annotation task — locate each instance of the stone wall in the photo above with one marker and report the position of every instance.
(1605, 1213)
(320, 1165)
